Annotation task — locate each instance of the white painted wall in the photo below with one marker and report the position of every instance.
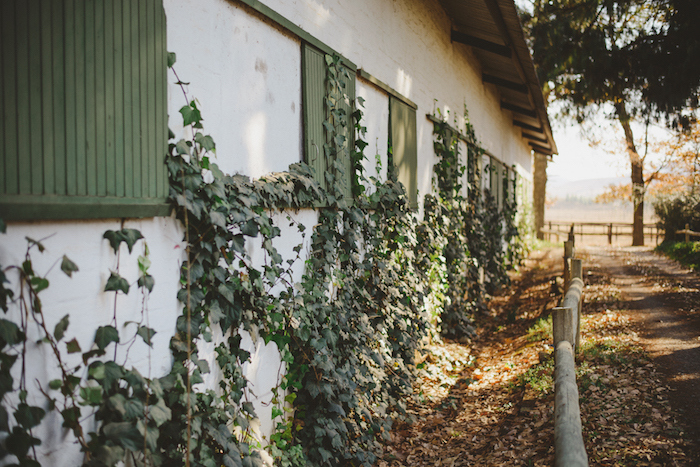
(406, 44)
(82, 297)
(246, 75)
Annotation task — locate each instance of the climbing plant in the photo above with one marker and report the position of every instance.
(377, 281)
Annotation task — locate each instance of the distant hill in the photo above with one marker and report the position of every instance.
(581, 189)
(573, 202)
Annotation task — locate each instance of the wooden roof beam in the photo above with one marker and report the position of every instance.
(540, 149)
(519, 87)
(528, 127)
(521, 110)
(483, 44)
(535, 138)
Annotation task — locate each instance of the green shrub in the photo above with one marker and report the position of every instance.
(675, 211)
(688, 254)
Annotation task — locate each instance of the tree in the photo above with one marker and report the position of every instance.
(642, 57)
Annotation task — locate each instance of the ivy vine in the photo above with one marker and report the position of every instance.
(377, 283)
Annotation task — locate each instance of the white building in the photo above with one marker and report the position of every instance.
(87, 98)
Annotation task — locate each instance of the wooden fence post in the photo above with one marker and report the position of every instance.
(569, 450)
(610, 234)
(568, 254)
(562, 324)
(577, 273)
(687, 233)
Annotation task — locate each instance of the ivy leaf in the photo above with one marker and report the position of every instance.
(73, 346)
(250, 229)
(19, 442)
(147, 281)
(124, 434)
(191, 115)
(9, 333)
(55, 384)
(116, 237)
(91, 395)
(205, 141)
(68, 266)
(60, 328)
(218, 219)
(39, 284)
(160, 413)
(27, 416)
(116, 283)
(3, 226)
(171, 59)
(146, 334)
(105, 335)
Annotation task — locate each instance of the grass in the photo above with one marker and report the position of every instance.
(688, 254)
(541, 330)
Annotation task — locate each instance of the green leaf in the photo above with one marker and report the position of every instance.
(19, 442)
(146, 334)
(171, 59)
(68, 266)
(39, 284)
(191, 115)
(116, 237)
(9, 333)
(105, 335)
(147, 281)
(91, 395)
(131, 236)
(124, 434)
(160, 413)
(27, 416)
(60, 328)
(116, 283)
(3, 226)
(205, 141)
(55, 384)
(73, 346)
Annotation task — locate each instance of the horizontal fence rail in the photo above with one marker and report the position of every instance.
(569, 450)
(688, 233)
(612, 230)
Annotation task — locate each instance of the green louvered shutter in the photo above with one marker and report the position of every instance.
(402, 122)
(315, 112)
(313, 65)
(84, 112)
(349, 133)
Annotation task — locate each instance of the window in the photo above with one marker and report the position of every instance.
(403, 143)
(316, 112)
(497, 172)
(84, 112)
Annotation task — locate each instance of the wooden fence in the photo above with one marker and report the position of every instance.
(612, 230)
(569, 450)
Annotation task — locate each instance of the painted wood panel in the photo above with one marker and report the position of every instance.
(84, 91)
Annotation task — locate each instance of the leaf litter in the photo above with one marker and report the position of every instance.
(490, 401)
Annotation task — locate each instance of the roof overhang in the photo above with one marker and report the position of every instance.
(492, 28)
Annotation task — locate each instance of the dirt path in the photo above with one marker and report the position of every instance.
(489, 402)
(664, 303)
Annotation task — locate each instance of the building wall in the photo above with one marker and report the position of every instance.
(245, 73)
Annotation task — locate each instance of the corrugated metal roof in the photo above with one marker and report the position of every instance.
(492, 28)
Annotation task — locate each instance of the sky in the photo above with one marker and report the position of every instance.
(578, 159)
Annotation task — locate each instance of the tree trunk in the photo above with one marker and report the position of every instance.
(539, 192)
(637, 164)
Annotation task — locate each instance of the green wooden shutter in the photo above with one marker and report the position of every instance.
(84, 112)
(315, 112)
(313, 65)
(402, 123)
(349, 133)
